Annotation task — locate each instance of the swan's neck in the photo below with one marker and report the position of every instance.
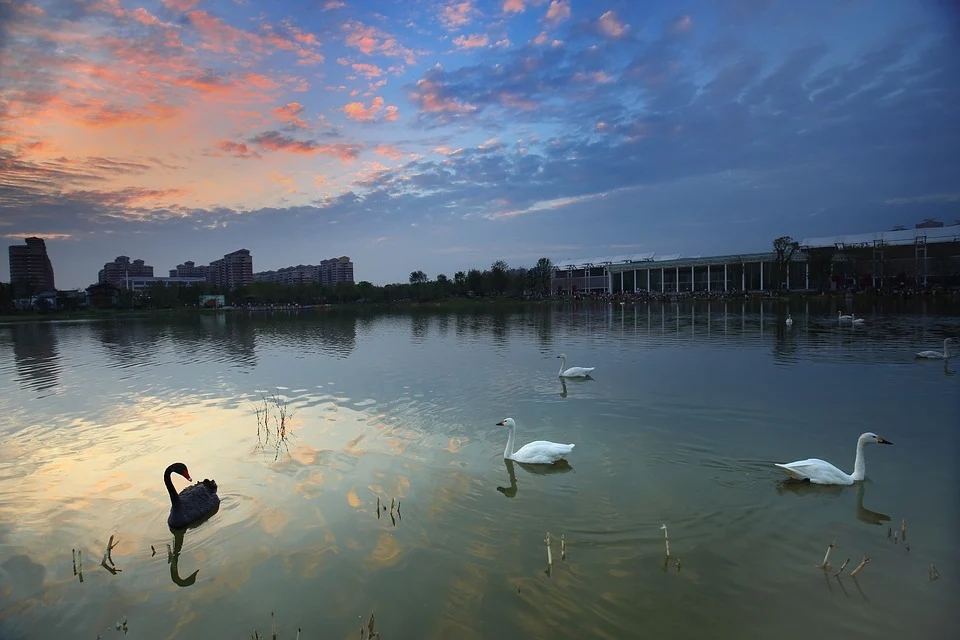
(174, 498)
(563, 365)
(508, 451)
(859, 465)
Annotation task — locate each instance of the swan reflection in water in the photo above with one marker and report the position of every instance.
(573, 381)
(174, 557)
(806, 489)
(562, 466)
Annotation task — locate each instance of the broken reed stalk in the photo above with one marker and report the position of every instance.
(903, 529)
(894, 537)
(74, 562)
(826, 558)
(549, 553)
(666, 539)
(842, 567)
(934, 574)
(563, 548)
(860, 566)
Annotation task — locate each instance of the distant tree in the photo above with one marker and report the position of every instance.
(475, 281)
(784, 247)
(541, 275)
(460, 282)
(418, 277)
(498, 276)
(6, 296)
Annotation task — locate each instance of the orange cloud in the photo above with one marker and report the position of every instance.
(367, 70)
(429, 96)
(237, 149)
(275, 141)
(290, 113)
(389, 151)
(357, 111)
(519, 6)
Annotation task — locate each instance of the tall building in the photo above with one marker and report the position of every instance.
(329, 271)
(336, 270)
(232, 271)
(189, 270)
(30, 268)
(122, 269)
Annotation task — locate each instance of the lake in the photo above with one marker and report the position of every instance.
(690, 405)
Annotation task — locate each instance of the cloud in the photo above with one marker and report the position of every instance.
(475, 41)
(457, 14)
(276, 141)
(610, 25)
(358, 112)
(46, 235)
(558, 11)
(237, 149)
(290, 113)
(370, 40)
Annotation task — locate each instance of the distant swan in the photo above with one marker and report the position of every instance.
(789, 320)
(537, 452)
(936, 354)
(817, 471)
(856, 320)
(572, 372)
(840, 316)
(191, 504)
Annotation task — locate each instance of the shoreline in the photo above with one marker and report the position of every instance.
(458, 303)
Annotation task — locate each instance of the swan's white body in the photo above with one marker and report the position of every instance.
(841, 317)
(817, 471)
(537, 452)
(936, 354)
(856, 320)
(789, 320)
(572, 372)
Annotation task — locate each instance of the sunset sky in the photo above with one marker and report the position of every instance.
(420, 134)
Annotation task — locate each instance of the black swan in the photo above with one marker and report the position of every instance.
(193, 503)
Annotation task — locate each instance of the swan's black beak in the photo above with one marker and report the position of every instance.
(500, 424)
(882, 441)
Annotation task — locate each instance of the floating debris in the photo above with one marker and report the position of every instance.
(666, 539)
(842, 567)
(107, 562)
(378, 507)
(154, 551)
(903, 529)
(934, 574)
(894, 537)
(549, 553)
(563, 548)
(678, 565)
(369, 633)
(825, 565)
(863, 563)
(889, 531)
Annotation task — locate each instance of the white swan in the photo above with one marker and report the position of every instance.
(841, 317)
(572, 372)
(817, 471)
(537, 452)
(789, 320)
(936, 354)
(856, 320)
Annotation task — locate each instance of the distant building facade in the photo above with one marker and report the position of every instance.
(232, 271)
(30, 268)
(122, 269)
(329, 272)
(190, 270)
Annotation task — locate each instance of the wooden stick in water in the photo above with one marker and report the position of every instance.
(842, 567)
(666, 539)
(74, 562)
(894, 537)
(549, 553)
(391, 505)
(860, 566)
(826, 558)
(889, 531)
(903, 529)
(563, 548)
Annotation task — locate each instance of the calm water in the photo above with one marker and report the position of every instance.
(689, 407)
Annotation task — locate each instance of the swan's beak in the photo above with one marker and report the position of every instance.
(882, 441)
(186, 474)
(500, 424)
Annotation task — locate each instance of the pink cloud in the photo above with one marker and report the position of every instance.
(457, 14)
(367, 70)
(370, 40)
(519, 6)
(290, 113)
(275, 141)
(389, 151)
(681, 24)
(358, 112)
(471, 42)
(558, 11)
(329, 5)
(611, 25)
(430, 98)
(237, 149)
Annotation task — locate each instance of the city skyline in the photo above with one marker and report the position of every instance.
(441, 136)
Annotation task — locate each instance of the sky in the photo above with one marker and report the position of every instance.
(445, 135)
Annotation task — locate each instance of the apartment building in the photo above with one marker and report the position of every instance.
(30, 268)
(329, 272)
(232, 271)
(121, 269)
(190, 270)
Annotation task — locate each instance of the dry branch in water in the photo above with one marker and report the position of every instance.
(563, 548)
(825, 565)
(860, 566)
(903, 529)
(666, 539)
(842, 567)
(549, 553)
